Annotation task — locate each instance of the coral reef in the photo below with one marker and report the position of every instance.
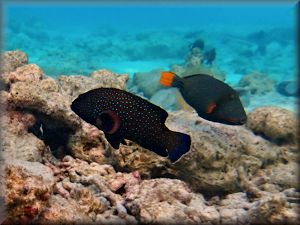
(11, 60)
(168, 201)
(195, 63)
(28, 188)
(59, 169)
(75, 85)
(194, 58)
(287, 88)
(148, 82)
(166, 98)
(132, 157)
(16, 140)
(50, 100)
(198, 60)
(277, 124)
(257, 83)
(216, 151)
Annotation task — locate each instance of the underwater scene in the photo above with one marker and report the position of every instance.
(149, 113)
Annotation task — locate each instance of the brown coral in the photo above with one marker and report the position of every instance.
(26, 193)
(167, 201)
(17, 142)
(50, 102)
(257, 83)
(11, 60)
(28, 73)
(90, 188)
(277, 124)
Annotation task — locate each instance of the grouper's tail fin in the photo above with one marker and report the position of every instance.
(170, 79)
(177, 144)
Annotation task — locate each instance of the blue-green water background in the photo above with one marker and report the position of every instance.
(129, 37)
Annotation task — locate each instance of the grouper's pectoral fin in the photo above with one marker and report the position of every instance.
(114, 140)
(108, 121)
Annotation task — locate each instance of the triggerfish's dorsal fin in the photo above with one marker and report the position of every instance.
(108, 121)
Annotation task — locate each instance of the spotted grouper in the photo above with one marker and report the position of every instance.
(122, 115)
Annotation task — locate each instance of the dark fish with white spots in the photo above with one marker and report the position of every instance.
(213, 99)
(122, 115)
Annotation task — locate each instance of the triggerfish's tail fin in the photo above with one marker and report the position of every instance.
(177, 144)
(170, 79)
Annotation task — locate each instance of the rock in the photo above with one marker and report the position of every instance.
(132, 157)
(272, 210)
(194, 58)
(269, 209)
(28, 73)
(246, 174)
(75, 85)
(287, 88)
(17, 142)
(148, 82)
(216, 151)
(283, 175)
(63, 211)
(28, 188)
(233, 209)
(11, 60)
(33, 169)
(168, 201)
(44, 98)
(166, 98)
(277, 124)
(257, 83)
(49, 100)
(90, 193)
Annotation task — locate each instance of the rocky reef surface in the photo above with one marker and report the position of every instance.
(57, 169)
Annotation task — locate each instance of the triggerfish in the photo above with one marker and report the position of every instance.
(122, 115)
(213, 99)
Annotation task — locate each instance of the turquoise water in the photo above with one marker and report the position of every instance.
(74, 38)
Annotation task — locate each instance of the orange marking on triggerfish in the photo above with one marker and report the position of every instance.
(230, 119)
(211, 107)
